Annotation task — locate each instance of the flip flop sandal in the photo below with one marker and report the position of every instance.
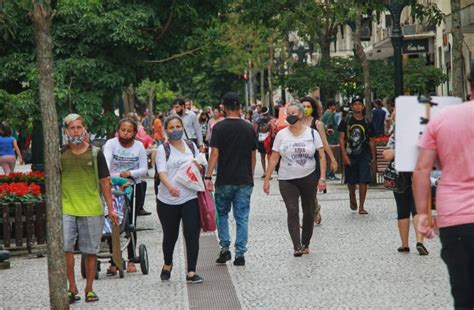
(403, 249)
(111, 271)
(317, 219)
(421, 249)
(91, 297)
(305, 250)
(363, 212)
(73, 297)
(131, 268)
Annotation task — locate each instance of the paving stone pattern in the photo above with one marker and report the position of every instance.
(353, 264)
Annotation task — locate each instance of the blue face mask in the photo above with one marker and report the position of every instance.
(176, 134)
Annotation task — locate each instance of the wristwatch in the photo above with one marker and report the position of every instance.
(322, 179)
(207, 178)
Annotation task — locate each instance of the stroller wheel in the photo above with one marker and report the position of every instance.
(144, 265)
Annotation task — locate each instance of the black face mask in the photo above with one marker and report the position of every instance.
(124, 141)
(292, 119)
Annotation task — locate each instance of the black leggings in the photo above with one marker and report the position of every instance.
(170, 218)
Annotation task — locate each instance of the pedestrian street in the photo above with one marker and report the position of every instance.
(353, 263)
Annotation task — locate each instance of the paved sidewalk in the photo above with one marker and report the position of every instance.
(353, 264)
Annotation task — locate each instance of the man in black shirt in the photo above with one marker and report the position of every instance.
(358, 153)
(233, 147)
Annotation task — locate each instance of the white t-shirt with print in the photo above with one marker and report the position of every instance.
(121, 158)
(171, 167)
(297, 153)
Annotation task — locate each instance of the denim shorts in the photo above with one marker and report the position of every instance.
(359, 171)
(88, 231)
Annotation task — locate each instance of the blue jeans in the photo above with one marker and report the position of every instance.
(239, 197)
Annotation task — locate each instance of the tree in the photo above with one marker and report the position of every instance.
(42, 16)
(458, 37)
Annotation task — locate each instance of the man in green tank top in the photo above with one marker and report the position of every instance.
(84, 177)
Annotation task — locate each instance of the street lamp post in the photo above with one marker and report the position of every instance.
(396, 7)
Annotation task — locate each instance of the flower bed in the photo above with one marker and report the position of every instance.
(20, 192)
(381, 140)
(30, 177)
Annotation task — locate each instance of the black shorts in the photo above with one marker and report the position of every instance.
(405, 204)
(359, 171)
(261, 148)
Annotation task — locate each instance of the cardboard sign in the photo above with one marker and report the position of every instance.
(410, 124)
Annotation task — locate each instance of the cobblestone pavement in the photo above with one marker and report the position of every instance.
(353, 264)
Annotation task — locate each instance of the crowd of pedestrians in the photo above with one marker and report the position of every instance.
(304, 142)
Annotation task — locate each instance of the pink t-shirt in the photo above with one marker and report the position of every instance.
(451, 134)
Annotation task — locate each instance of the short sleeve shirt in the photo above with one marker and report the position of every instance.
(236, 140)
(171, 166)
(357, 136)
(451, 134)
(297, 153)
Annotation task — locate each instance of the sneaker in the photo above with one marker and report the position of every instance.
(194, 279)
(166, 274)
(224, 256)
(239, 261)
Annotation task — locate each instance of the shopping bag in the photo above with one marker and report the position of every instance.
(207, 211)
(190, 177)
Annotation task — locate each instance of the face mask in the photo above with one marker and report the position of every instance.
(176, 134)
(76, 140)
(308, 111)
(125, 141)
(292, 119)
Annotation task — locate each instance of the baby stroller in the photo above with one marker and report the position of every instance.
(116, 239)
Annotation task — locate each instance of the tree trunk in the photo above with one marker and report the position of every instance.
(42, 19)
(262, 87)
(251, 84)
(325, 45)
(270, 84)
(151, 96)
(458, 37)
(360, 54)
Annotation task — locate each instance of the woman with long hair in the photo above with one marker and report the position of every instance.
(311, 119)
(8, 147)
(126, 157)
(175, 202)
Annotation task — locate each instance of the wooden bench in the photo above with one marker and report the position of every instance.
(22, 225)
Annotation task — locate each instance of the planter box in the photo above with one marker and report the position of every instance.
(22, 225)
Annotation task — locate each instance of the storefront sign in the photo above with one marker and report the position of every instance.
(415, 46)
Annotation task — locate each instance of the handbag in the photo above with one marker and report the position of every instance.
(399, 182)
(207, 211)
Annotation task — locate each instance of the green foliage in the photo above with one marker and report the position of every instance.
(158, 92)
(420, 78)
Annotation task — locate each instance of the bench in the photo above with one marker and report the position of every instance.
(381, 163)
(22, 225)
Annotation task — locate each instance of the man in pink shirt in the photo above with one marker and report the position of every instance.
(449, 138)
